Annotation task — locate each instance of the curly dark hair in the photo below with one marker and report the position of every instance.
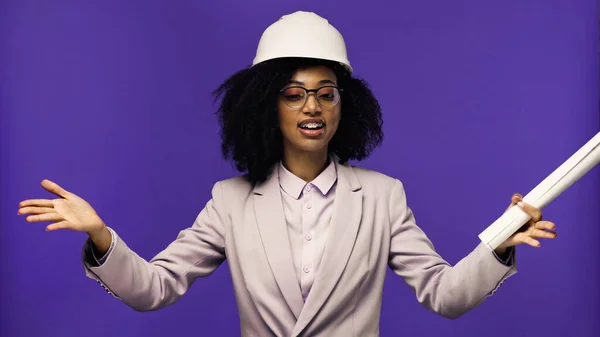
(249, 118)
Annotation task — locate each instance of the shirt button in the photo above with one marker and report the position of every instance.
(306, 270)
(308, 188)
(308, 238)
(308, 206)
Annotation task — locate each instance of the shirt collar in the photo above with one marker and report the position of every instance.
(293, 185)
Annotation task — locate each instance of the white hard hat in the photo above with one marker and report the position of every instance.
(302, 34)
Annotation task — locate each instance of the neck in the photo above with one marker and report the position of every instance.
(306, 165)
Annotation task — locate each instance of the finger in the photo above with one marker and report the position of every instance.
(541, 234)
(59, 225)
(54, 188)
(529, 240)
(514, 200)
(534, 213)
(35, 210)
(36, 202)
(547, 225)
(44, 217)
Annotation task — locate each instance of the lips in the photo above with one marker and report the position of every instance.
(312, 124)
(312, 127)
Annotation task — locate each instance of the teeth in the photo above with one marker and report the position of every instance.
(312, 125)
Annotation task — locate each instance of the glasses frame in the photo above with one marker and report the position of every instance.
(308, 91)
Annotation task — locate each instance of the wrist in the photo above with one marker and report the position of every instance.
(101, 239)
(500, 250)
(98, 233)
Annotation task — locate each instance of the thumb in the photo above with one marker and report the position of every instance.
(534, 213)
(514, 200)
(59, 225)
(54, 188)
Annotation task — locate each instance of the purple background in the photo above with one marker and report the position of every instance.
(481, 99)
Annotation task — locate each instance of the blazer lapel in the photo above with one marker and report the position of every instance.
(272, 226)
(344, 227)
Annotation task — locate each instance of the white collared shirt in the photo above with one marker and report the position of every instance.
(308, 208)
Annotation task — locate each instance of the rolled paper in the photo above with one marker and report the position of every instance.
(545, 192)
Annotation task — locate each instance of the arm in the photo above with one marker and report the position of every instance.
(449, 291)
(152, 285)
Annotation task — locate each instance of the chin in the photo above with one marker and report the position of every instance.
(310, 145)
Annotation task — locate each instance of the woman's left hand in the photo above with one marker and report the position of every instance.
(530, 232)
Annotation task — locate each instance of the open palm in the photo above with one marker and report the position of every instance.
(69, 211)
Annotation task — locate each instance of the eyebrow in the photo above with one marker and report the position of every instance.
(321, 82)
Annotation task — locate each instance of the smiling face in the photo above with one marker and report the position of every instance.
(308, 127)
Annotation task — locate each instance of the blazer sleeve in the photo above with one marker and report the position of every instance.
(151, 285)
(449, 291)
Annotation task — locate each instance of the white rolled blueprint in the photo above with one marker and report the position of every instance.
(545, 192)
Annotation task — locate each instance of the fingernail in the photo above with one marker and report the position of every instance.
(520, 204)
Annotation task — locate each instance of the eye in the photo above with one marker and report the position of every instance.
(327, 94)
(293, 94)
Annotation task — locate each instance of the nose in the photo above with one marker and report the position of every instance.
(311, 106)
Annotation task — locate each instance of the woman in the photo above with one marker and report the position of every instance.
(308, 238)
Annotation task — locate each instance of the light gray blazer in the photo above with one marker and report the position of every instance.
(371, 228)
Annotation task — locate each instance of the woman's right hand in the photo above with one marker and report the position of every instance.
(67, 212)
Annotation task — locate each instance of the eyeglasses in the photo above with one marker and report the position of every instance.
(295, 97)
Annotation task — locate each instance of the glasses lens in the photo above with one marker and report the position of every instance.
(294, 97)
(328, 96)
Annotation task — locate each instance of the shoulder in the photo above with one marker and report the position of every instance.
(232, 187)
(378, 184)
(382, 188)
(374, 179)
